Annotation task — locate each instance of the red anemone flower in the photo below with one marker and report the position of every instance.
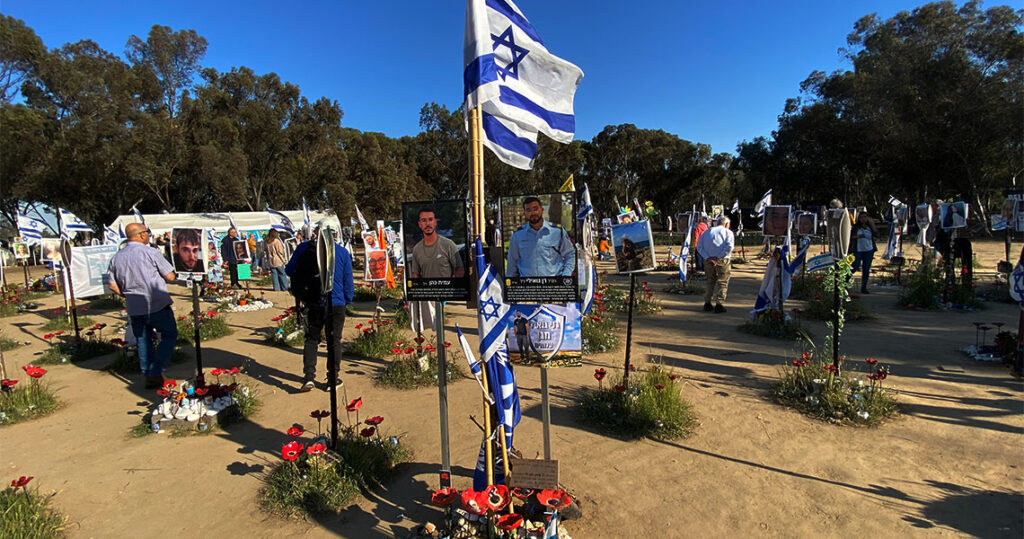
(396, 350)
(831, 368)
(410, 350)
(447, 344)
(375, 420)
(217, 372)
(555, 499)
(21, 481)
(354, 405)
(367, 432)
(620, 388)
(48, 336)
(277, 319)
(497, 497)
(673, 377)
(37, 373)
(211, 313)
(521, 493)
(169, 384)
(201, 391)
(316, 449)
(61, 332)
(599, 374)
(871, 361)
(472, 501)
(8, 383)
(367, 330)
(320, 414)
(430, 348)
(296, 431)
(181, 318)
(445, 496)
(359, 326)
(510, 522)
(234, 370)
(163, 392)
(291, 450)
(632, 367)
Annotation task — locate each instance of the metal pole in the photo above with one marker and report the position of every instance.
(545, 408)
(442, 394)
(71, 297)
(835, 317)
(629, 328)
(332, 368)
(200, 377)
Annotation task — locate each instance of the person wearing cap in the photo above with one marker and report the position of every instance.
(303, 270)
(716, 248)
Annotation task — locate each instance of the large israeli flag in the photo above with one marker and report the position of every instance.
(138, 215)
(30, 229)
(521, 88)
(280, 221)
(766, 200)
(684, 251)
(110, 236)
(70, 224)
(493, 352)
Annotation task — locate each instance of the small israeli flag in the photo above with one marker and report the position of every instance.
(30, 229)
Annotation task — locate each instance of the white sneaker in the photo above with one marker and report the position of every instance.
(308, 386)
(338, 386)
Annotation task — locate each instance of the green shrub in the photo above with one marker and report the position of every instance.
(375, 340)
(652, 406)
(819, 301)
(314, 487)
(29, 514)
(287, 331)
(8, 344)
(66, 349)
(212, 325)
(598, 333)
(60, 323)
(25, 400)
(609, 298)
(924, 289)
(811, 386)
(404, 372)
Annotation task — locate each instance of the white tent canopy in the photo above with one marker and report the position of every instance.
(218, 222)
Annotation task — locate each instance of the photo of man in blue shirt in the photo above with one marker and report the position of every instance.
(539, 248)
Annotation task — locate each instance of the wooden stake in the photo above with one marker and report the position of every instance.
(477, 193)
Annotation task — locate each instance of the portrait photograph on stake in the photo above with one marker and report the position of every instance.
(241, 248)
(187, 249)
(540, 254)
(633, 244)
(435, 250)
(953, 215)
(776, 220)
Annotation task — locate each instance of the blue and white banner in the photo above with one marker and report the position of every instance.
(819, 262)
(283, 224)
(766, 200)
(684, 251)
(70, 224)
(30, 229)
(493, 351)
(474, 365)
(521, 88)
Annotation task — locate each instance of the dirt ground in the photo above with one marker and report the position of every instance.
(950, 465)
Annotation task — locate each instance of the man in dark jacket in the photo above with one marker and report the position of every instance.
(305, 279)
(227, 254)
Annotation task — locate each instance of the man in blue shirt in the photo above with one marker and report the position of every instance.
(716, 248)
(140, 275)
(304, 272)
(539, 248)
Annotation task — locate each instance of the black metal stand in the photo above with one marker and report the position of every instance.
(835, 317)
(71, 299)
(629, 328)
(332, 368)
(200, 377)
(442, 394)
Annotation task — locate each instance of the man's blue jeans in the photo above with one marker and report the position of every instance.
(153, 362)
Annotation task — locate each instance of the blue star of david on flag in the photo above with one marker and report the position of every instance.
(507, 39)
(489, 309)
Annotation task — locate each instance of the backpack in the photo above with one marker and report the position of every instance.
(305, 283)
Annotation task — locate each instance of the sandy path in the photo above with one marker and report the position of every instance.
(951, 465)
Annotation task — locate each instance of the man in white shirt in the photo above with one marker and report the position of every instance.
(715, 248)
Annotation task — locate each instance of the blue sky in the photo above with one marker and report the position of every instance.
(711, 72)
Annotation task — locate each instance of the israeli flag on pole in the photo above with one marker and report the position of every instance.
(551, 531)
(493, 352)
(362, 220)
(521, 88)
(110, 236)
(306, 222)
(766, 200)
(30, 229)
(474, 365)
(231, 222)
(684, 251)
(586, 207)
(138, 215)
(283, 223)
(70, 224)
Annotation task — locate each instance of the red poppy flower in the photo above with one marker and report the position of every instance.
(367, 432)
(201, 391)
(277, 319)
(798, 363)
(21, 481)
(375, 420)
(320, 414)
(831, 368)
(443, 497)
(447, 344)
(510, 522)
(169, 384)
(659, 387)
(61, 332)
(521, 493)
(163, 392)
(356, 404)
(632, 367)
(234, 370)
(211, 314)
(181, 318)
(430, 348)
(217, 372)
(232, 387)
(497, 497)
(316, 449)
(419, 340)
(673, 377)
(396, 350)
(599, 374)
(296, 431)
(48, 336)
(555, 499)
(97, 326)
(8, 383)
(620, 388)
(410, 350)
(291, 450)
(473, 502)
(871, 361)
(367, 330)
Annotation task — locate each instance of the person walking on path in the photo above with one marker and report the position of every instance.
(698, 231)
(716, 249)
(276, 261)
(140, 275)
(227, 254)
(305, 274)
(864, 235)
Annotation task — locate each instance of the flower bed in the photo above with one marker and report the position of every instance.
(19, 402)
(775, 324)
(814, 387)
(617, 301)
(190, 408)
(16, 301)
(60, 321)
(598, 333)
(286, 331)
(64, 347)
(315, 480)
(415, 365)
(28, 513)
(376, 339)
(819, 300)
(924, 290)
(650, 406)
(211, 326)
(486, 513)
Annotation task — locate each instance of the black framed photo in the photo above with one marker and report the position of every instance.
(540, 252)
(187, 252)
(435, 250)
